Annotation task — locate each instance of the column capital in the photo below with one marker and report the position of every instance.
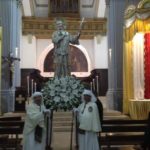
(107, 2)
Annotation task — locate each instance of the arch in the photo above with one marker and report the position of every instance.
(42, 57)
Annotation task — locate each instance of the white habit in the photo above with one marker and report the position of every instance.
(34, 117)
(89, 122)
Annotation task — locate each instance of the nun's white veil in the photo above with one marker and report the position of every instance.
(90, 93)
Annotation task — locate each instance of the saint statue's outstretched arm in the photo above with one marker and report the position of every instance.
(74, 39)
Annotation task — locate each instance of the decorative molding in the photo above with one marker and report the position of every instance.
(89, 6)
(19, 3)
(44, 27)
(40, 5)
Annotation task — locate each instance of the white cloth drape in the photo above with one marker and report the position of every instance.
(88, 141)
(35, 117)
(31, 144)
(138, 66)
(89, 122)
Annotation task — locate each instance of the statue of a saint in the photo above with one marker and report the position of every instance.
(61, 40)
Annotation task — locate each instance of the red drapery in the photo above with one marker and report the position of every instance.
(147, 65)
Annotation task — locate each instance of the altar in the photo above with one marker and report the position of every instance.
(139, 109)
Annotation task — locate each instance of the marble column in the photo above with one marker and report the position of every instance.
(10, 18)
(115, 15)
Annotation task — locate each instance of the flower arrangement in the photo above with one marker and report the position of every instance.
(62, 93)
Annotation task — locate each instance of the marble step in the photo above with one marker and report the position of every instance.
(69, 118)
(106, 113)
(62, 123)
(62, 129)
(61, 118)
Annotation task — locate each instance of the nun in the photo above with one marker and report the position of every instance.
(34, 133)
(89, 122)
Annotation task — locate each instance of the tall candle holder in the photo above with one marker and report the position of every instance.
(91, 85)
(35, 86)
(94, 88)
(28, 88)
(97, 84)
(32, 86)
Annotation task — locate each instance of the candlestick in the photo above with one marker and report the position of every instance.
(97, 85)
(94, 85)
(28, 85)
(28, 88)
(32, 86)
(35, 87)
(82, 20)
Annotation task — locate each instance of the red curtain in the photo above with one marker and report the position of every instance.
(147, 65)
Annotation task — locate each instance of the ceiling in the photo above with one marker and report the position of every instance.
(88, 8)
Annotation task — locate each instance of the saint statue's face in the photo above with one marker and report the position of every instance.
(38, 100)
(59, 25)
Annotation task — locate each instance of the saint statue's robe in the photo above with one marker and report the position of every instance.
(61, 40)
(89, 126)
(34, 118)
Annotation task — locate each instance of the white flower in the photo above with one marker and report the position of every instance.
(63, 81)
(66, 98)
(51, 86)
(58, 88)
(56, 98)
(74, 86)
(63, 95)
(71, 95)
(52, 93)
(75, 92)
(56, 81)
(63, 89)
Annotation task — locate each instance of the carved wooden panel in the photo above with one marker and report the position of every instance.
(101, 73)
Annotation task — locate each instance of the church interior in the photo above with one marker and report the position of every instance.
(112, 60)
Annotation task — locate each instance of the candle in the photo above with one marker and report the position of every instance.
(91, 85)
(97, 85)
(28, 85)
(94, 85)
(16, 52)
(32, 86)
(110, 54)
(82, 20)
(35, 87)
(28, 88)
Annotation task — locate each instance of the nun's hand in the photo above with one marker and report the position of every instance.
(75, 110)
(46, 111)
